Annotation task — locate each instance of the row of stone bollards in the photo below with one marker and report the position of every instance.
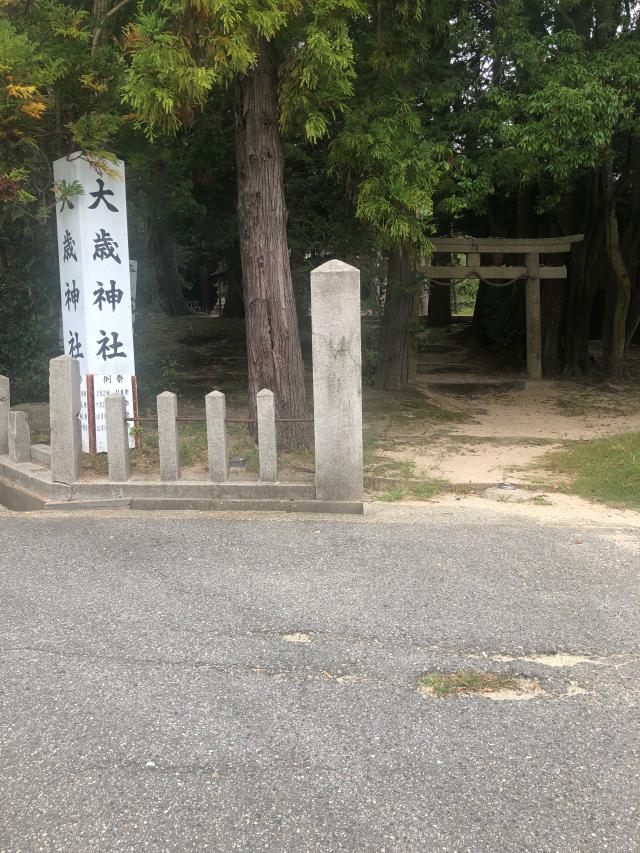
(15, 433)
(337, 414)
(169, 437)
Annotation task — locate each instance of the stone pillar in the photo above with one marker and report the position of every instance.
(19, 437)
(115, 407)
(64, 415)
(216, 412)
(534, 320)
(168, 436)
(5, 405)
(267, 443)
(337, 381)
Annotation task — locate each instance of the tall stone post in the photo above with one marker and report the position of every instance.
(117, 437)
(5, 405)
(267, 443)
(337, 381)
(19, 437)
(168, 436)
(534, 320)
(64, 416)
(216, 413)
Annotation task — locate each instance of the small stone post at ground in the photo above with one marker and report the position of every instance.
(216, 413)
(337, 381)
(64, 416)
(168, 436)
(19, 437)
(5, 405)
(117, 437)
(267, 442)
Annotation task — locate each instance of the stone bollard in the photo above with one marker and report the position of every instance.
(117, 437)
(19, 437)
(168, 436)
(5, 406)
(337, 381)
(64, 415)
(267, 443)
(216, 412)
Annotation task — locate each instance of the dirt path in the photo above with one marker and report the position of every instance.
(509, 429)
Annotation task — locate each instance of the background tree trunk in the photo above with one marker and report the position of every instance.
(392, 368)
(166, 252)
(554, 301)
(204, 287)
(622, 296)
(273, 344)
(439, 305)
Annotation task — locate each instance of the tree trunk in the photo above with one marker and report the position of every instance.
(273, 345)
(204, 287)
(439, 305)
(633, 319)
(392, 368)
(581, 212)
(553, 304)
(166, 250)
(615, 359)
(480, 307)
(100, 9)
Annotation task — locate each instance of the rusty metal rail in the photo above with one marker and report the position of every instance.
(153, 420)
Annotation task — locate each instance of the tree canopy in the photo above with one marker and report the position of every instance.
(263, 137)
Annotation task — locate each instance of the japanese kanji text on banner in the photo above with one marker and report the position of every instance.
(93, 252)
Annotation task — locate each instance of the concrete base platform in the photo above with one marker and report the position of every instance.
(18, 499)
(248, 505)
(28, 486)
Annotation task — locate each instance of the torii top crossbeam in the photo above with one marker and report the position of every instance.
(506, 245)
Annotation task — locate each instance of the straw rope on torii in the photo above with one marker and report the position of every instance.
(531, 271)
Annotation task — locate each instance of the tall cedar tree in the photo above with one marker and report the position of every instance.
(290, 66)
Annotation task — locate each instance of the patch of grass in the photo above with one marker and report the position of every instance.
(193, 445)
(241, 444)
(541, 500)
(605, 470)
(427, 489)
(466, 681)
(395, 494)
(403, 469)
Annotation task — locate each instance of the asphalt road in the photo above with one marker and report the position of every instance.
(152, 696)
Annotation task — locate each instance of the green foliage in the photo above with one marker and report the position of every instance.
(180, 52)
(388, 150)
(28, 337)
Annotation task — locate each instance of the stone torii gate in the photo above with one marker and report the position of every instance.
(531, 271)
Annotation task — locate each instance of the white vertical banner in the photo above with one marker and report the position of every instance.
(95, 283)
